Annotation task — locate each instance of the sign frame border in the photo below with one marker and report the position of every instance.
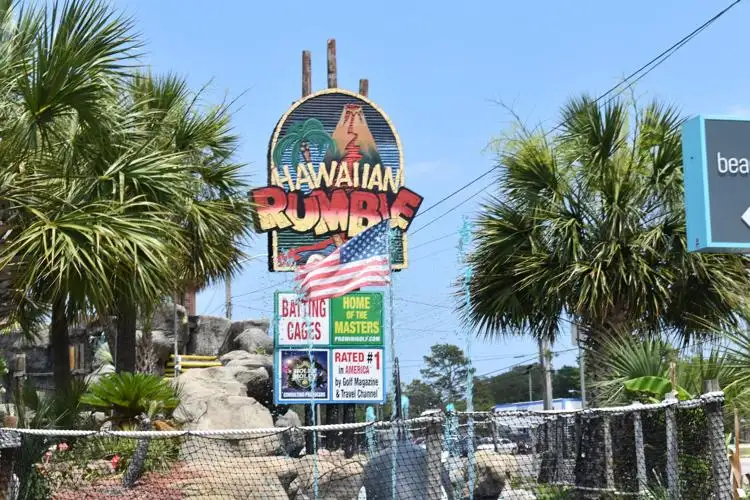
(695, 179)
(277, 380)
(273, 246)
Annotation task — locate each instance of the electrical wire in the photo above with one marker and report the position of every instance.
(617, 90)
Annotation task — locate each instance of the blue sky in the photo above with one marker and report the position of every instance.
(439, 73)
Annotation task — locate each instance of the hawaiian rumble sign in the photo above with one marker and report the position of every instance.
(335, 168)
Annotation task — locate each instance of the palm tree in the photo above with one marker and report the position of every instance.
(61, 69)
(202, 191)
(589, 222)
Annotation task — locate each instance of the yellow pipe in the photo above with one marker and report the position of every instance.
(196, 357)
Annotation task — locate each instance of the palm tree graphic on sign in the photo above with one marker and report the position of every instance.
(299, 138)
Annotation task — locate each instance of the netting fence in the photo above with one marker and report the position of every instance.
(665, 450)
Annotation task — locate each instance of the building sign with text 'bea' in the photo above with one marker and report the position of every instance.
(335, 168)
(716, 158)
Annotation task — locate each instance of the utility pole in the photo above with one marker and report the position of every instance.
(228, 295)
(228, 286)
(581, 362)
(545, 359)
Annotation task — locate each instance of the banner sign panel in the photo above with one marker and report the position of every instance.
(347, 338)
(357, 318)
(358, 375)
(298, 321)
(299, 376)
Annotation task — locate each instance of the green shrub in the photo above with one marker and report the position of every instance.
(129, 395)
(162, 452)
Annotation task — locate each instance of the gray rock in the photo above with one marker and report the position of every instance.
(289, 419)
(209, 336)
(162, 330)
(249, 335)
(411, 463)
(293, 440)
(213, 398)
(249, 360)
(255, 379)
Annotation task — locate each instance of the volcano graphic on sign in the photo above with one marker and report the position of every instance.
(353, 140)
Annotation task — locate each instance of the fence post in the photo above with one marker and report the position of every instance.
(713, 401)
(640, 454)
(434, 456)
(609, 470)
(670, 419)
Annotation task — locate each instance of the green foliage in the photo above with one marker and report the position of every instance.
(421, 396)
(446, 368)
(658, 386)
(162, 452)
(589, 221)
(60, 409)
(129, 395)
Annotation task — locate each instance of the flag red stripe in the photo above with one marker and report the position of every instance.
(332, 271)
(314, 286)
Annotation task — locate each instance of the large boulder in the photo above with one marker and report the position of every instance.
(214, 399)
(293, 440)
(247, 359)
(223, 477)
(253, 365)
(492, 472)
(209, 335)
(163, 330)
(338, 478)
(411, 469)
(249, 335)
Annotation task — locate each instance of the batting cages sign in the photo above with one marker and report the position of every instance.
(335, 168)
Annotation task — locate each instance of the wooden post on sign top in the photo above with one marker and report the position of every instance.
(306, 73)
(364, 87)
(332, 77)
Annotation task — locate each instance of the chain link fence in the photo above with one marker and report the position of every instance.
(666, 450)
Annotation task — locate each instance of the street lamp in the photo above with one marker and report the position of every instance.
(228, 285)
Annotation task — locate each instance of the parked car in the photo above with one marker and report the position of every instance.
(504, 445)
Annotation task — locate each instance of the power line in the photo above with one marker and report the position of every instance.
(454, 207)
(641, 72)
(410, 301)
(433, 240)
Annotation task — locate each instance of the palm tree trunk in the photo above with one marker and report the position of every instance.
(60, 342)
(126, 348)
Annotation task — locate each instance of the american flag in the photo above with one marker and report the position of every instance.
(361, 261)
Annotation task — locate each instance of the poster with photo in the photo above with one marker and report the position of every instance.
(302, 375)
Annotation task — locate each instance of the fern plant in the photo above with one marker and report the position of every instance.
(128, 395)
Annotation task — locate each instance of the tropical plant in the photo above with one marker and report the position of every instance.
(587, 220)
(202, 191)
(121, 189)
(299, 138)
(65, 146)
(631, 369)
(130, 395)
